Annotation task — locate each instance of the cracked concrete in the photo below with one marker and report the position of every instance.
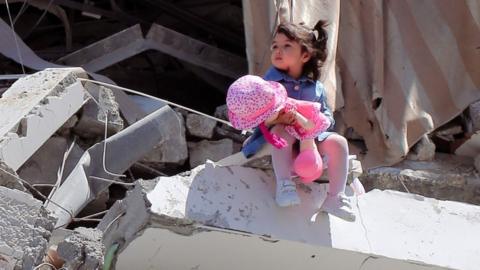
(48, 99)
(232, 211)
(25, 229)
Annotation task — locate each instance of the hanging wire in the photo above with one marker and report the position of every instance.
(155, 98)
(39, 19)
(14, 36)
(21, 11)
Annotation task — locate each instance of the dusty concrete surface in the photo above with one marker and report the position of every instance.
(232, 211)
(25, 228)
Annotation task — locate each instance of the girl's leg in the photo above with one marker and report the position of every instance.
(286, 192)
(336, 148)
(336, 203)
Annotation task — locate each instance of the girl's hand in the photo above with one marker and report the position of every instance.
(286, 118)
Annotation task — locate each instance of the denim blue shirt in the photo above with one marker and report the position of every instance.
(302, 89)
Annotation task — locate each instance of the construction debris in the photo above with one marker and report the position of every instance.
(232, 211)
(447, 177)
(48, 99)
(82, 249)
(25, 230)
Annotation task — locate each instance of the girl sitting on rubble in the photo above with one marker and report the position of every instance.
(297, 54)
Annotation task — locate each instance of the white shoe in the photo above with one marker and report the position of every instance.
(338, 205)
(286, 193)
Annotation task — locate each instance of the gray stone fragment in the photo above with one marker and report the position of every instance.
(25, 228)
(82, 250)
(221, 112)
(92, 121)
(8, 178)
(212, 150)
(423, 150)
(200, 126)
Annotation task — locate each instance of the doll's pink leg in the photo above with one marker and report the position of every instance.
(308, 165)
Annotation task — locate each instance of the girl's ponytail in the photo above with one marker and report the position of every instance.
(320, 42)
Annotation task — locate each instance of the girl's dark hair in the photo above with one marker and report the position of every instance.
(316, 45)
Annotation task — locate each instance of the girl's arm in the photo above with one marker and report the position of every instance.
(322, 99)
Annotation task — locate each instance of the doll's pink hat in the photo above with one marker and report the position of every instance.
(251, 100)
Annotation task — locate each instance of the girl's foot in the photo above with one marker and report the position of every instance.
(286, 193)
(338, 205)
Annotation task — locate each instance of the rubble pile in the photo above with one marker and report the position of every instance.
(77, 142)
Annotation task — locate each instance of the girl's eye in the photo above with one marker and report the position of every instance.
(273, 47)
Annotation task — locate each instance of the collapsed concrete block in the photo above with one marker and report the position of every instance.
(447, 177)
(200, 126)
(8, 178)
(232, 211)
(25, 228)
(92, 121)
(212, 150)
(43, 166)
(423, 150)
(82, 250)
(33, 108)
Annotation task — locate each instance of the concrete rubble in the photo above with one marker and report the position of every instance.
(232, 211)
(142, 185)
(48, 99)
(25, 229)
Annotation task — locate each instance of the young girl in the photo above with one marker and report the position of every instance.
(297, 54)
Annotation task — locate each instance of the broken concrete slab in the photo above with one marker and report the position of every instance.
(232, 211)
(200, 126)
(82, 250)
(25, 228)
(122, 150)
(209, 150)
(95, 112)
(33, 108)
(447, 177)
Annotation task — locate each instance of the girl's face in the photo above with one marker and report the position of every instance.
(287, 55)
